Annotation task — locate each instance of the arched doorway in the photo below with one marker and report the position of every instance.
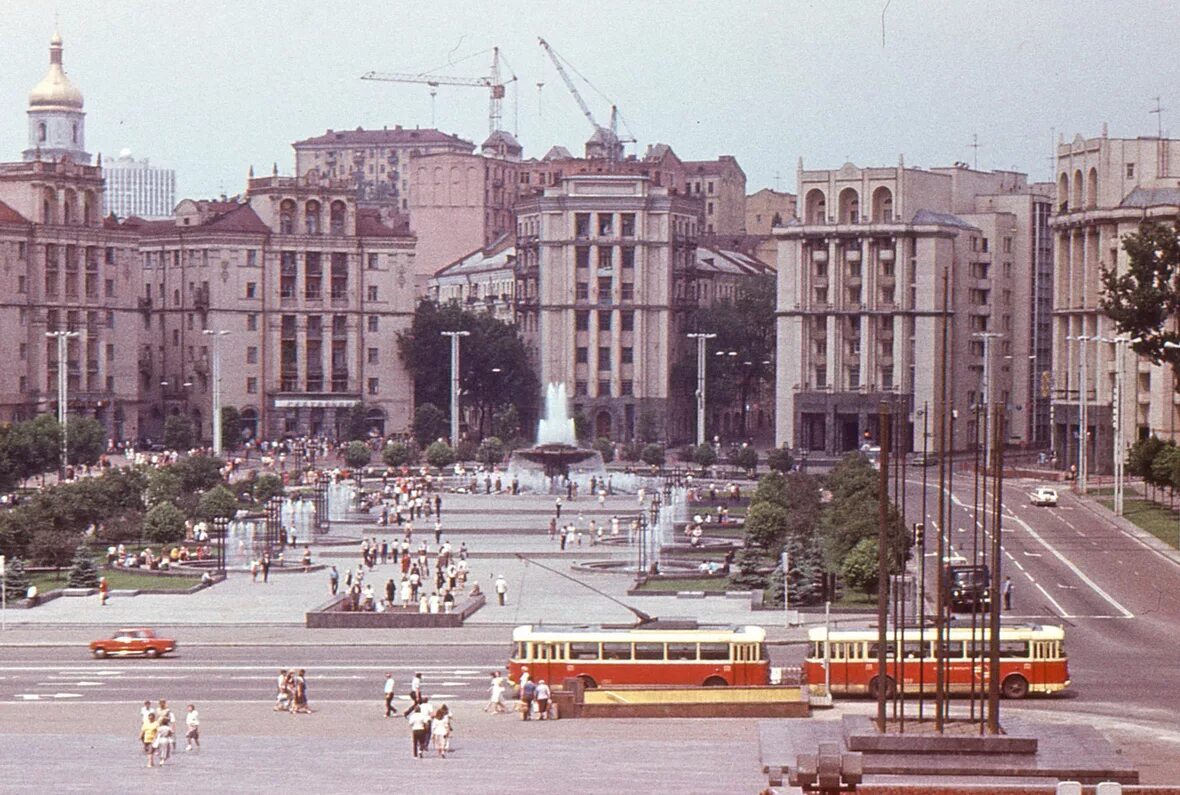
(602, 425)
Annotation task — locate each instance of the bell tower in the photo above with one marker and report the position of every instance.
(57, 123)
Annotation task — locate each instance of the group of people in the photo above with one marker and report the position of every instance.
(427, 723)
(291, 692)
(534, 697)
(447, 573)
(158, 728)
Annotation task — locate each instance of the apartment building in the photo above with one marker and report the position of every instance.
(1106, 187)
(602, 270)
(303, 291)
(484, 280)
(861, 303)
(136, 187)
(766, 209)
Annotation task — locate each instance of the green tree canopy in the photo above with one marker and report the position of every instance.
(164, 524)
(780, 459)
(16, 580)
(704, 456)
(491, 451)
(86, 439)
(430, 424)
(653, 455)
(217, 503)
(357, 455)
(84, 573)
(398, 454)
(231, 427)
(1143, 299)
(179, 433)
(605, 448)
(440, 455)
(267, 486)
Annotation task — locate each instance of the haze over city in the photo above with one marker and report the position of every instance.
(209, 89)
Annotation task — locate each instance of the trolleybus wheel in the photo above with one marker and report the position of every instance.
(1015, 686)
(890, 687)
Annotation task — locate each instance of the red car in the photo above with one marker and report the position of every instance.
(139, 640)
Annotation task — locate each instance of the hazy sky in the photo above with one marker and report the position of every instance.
(210, 87)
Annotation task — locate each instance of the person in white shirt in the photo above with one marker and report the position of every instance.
(192, 734)
(543, 695)
(388, 690)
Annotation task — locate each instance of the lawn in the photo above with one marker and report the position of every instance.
(1158, 520)
(715, 584)
(117, 580)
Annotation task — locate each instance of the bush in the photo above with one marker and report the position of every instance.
(605, 448)
(164, 524)
(430, 424)
(84, 574)
(653, 454)
(398, 454)
(267, 486)
(704, 455)
(440, 455)
(491, 451)
(465, 451)
(859, 569)
(744, 457)
(357, 455)
(179, 433)
(632, 451)
(780, 460)
(16, 581)
(217, 503)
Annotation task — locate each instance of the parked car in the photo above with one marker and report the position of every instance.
(136, 640)
(1044, 496)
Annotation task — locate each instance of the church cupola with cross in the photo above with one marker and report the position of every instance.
(57, 123)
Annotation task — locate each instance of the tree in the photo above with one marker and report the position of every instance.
(231, 427)
(217, 503)
(266, 487)
(581, 426)
(605, 448)
(704, 455)
(852, 515)
(36, 445)
(179, 433)
(197, 473)
(859, 569)
(752, 568)
(357, 455)
(506, 424)
(491, 451)
(440, 455)
(647, 427)
(1144, 298)
(84, 574)
(164, 524)
(86, 439)
(398, 454)
(163, 486)
(744, 457)
(356, 426)
(780, 459)
(430, 424)
(1141, 456)
(766, 526)
(16, 580)
(653, 455)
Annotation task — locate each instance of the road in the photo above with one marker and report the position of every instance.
(1117, 596)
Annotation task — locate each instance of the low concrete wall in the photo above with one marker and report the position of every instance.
(332, 615)
(571, 703)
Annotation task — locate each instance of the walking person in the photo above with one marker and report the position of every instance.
(192, 734)
(165, 739)
(306, 559)
(418, 729)
(1006, 591)
(501, 587)
(389, 685)
(148, 732)
(528, 694)
(301, 693)
(103, 590)
(415, 693)
(440, 730)
(334, 580)
(266, 567)
(543, 694)
(495, 694)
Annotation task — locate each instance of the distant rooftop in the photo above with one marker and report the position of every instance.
(386, 136)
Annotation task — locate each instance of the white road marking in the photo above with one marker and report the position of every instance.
(1033, 555)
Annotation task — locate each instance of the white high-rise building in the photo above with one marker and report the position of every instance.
(137, 188)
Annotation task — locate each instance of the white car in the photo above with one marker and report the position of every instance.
(1044, 496)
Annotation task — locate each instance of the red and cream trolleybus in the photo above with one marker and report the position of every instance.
(1032, 660)
(642, 655)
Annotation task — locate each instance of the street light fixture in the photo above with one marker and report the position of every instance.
(455, 335)
(216, 336)
(62, 338)
(701, 337)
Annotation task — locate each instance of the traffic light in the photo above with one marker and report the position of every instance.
(919, 530)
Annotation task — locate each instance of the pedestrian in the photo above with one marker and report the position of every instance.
(501, 589)
(301, 693)
(564, 537)
(495, 694)
(306, 559)
(266, 567)
(103, 591)
(389, 694)
(166, 739)
(557, 506)
(334, 580)
(415, 693)
(440, 730)
(254, 570)
(438, 506)
(148, 733)
(437, 531)
(543, 694)
(528, 693)
(192, 734)
(1006, 590)
(418, 729)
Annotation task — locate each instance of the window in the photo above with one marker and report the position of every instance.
(582, 321)
(251, 258)
(709, 190)
(582, 355)
(582, 291)
(628, 256)
(821, 295)
(251, 386)
(627, 388)
(854, 378)
(627, 291)
(606, 259)
(682, 651)
(628, 321)
(582, 225)
(24, 351)
(714, 651)
(582, 257)
(372, 356)
(313, 278)
(372, 262)
(580, 388)
(604, 289)
(604, 320)
(627, 224)
(108, 286)
(616, 651)
(287, 274)
(603, 357)
(649, 651)
(372, 292)
(1130, 170)
(373, 323)
(583, 651)
(628, 355)
(604, 387)
(251, 289)
(21, 285)
(252, 354)
(110, 255)
(251, 322)
(372, 385)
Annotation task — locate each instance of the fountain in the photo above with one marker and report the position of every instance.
(556, 455)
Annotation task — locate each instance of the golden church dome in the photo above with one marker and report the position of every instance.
(55, 89)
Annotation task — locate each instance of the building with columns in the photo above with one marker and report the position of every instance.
(603, 275)
(1106, 187)
(861, 304)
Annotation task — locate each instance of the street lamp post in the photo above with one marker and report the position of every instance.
(455, 335)
(986, 391)
(1120, 432)
(63, 338)
(216, 336)
(701, 337)
(1082, 424)
(221, 529)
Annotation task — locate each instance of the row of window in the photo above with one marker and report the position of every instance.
(626, 388)
(604, 224)
(582, 321)
(582, 356)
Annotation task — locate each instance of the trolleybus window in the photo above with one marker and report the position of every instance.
(649, 651)
(682, 651)
(583, 651)
(714, 651)
(616, 651)
(875, 654)
(952, 649)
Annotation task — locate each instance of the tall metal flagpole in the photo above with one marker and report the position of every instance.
(702, 338)
(455, 335)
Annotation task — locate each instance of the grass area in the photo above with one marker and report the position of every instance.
(715, 584)
(117, 580)
(1158, 520)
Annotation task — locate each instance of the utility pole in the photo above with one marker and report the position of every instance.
(701, 338)
(986, 391)
(215, 337)
(884, 420)
(993, 679)
(455, 335)
(1083, 425)
(63, 338)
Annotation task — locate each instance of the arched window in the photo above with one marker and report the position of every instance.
(41, 132)
(1076, 199)
(849, 206)
(75, 132)
(49, 206)
(337, 214)
(311, 213)
(882, 205)
(815, 207)
(287, 217)
(1092, 188)
(1063, 191)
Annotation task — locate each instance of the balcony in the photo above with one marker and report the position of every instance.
(852, 254)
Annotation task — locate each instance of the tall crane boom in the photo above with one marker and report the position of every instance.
(492, 82)
(569, 83)
(610, 141)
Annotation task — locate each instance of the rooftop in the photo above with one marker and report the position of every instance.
(386, 136)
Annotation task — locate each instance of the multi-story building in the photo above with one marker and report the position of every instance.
(861, 304)
(137, 188)
(603, 265)
(304, 292)
(65, 270)
(375, 162)
(766, 209)
(482, 281)
(1106, 187)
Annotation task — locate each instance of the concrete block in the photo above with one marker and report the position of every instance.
(1069, 788)
(690, 594)
(1109, 788)
(79, 591)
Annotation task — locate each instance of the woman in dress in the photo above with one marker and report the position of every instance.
(440, 730)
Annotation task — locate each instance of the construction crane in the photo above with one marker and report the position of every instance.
(608, 137)
(492, 82)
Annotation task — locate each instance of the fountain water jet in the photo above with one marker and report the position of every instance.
(556, 454)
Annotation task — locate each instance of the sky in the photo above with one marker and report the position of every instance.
(210, 88)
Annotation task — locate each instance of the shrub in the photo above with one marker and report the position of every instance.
(164, 524)
(440, 455)
(744, 457)
(465, 451)
(217, 503)
(491, 451)
(653, 454)
(397, 454)
(780, 460)
(357, 455)
(605, 448)
(859, 569)
(16, 581)
(267, 486)
(704, 455)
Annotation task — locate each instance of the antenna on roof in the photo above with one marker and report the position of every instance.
(1159, 118)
